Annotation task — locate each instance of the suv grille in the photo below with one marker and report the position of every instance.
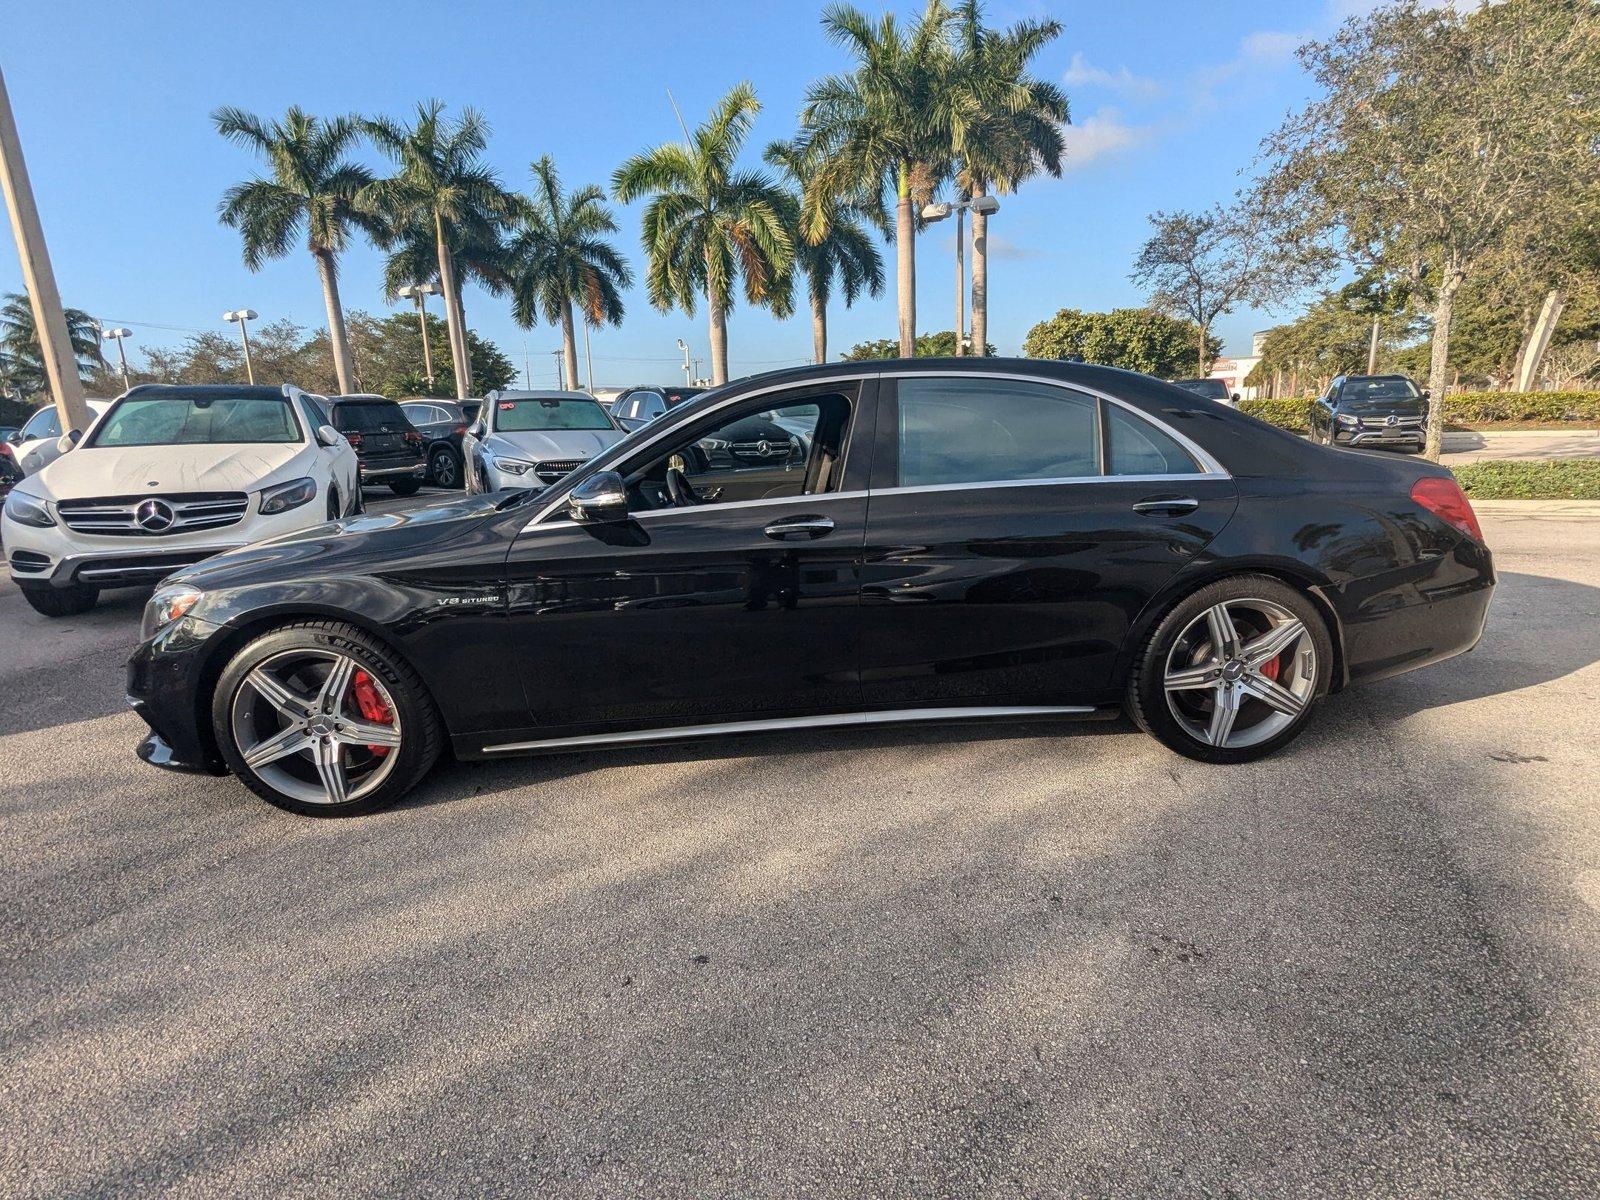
(553, 469)
(153, 516)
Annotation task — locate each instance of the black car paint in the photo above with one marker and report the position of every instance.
(916, 599)
(441, 436)
(382, 452)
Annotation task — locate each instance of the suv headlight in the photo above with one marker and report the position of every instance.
(29, 510)
(511, 466)
(287, 495)
(165, 607)
(1347, 419)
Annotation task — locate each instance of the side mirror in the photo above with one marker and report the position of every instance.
(1236, 397)
(1426, 394)
(68, 440)
(477, 430)
(327, 436)
(601, 497)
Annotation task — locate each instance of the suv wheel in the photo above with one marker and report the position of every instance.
(58, 601)
(1233, 671)
(321, 719)
(405, 487)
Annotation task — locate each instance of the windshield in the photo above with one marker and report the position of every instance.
(197, 421)
(1211, 389)
(370, 417)
(1365, 391)
(527, 416)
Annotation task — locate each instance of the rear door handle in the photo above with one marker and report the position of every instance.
(791, 528)
(1168, 506)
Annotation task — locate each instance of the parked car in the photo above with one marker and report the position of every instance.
(6, 432)
(36, 444)
(442, 423)
(1211, 389)
(531, 439)
(388, 448)
(1377, 412)
(638, 406)
(964, 540)
(170, 475)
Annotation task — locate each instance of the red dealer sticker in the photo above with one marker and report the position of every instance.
(507, 405)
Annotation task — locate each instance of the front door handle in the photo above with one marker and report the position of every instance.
(799, 527)
(1167, 506)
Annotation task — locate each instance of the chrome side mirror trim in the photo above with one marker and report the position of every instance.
(601, 497)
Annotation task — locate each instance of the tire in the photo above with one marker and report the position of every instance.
(333, 504)
(358, 501)
(1179, 652)
(444, 468)
(291, 781)
(60, 602)
(405, 487)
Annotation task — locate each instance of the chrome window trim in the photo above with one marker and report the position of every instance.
(983, 484)
(792, 501)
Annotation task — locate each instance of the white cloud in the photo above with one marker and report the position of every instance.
(1099, 135)
(1082, 73)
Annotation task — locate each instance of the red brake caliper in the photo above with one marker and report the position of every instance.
(1271, 668)
(370, 702)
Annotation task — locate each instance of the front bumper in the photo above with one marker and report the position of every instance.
(1379, 438)
(167, 687)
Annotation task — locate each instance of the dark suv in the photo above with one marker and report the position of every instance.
(388, 447)
(1379, 412)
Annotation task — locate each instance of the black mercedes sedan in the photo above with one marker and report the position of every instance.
(960, 539)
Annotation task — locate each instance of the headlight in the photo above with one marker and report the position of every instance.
(29, 510)
(1347, 419)
(511, 466)
(165, 607)
(716, 443)
(287, 495)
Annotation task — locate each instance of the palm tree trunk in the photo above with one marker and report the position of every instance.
(338, 340)
(819, 328)
(461, 319)
(1438, 361)
(980, 276)
(569, 347)
(452, 313)
(719, 344)
(905, 254)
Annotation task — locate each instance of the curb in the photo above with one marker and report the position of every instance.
(1536, 508)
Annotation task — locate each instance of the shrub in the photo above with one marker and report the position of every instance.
(1293, 415)
(1524, 479)
(1487, 408)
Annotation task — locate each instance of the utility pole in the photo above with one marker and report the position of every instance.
(560, 374)
(241, 317)
(49, 319)
(116, 335)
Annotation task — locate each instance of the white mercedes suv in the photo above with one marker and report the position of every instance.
(166, 476)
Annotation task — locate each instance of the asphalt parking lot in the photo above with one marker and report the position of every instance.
(1044, 960)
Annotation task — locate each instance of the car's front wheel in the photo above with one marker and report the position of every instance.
(322, 719)
(59, 601)
(1233, 672)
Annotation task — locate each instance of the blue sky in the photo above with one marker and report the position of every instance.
(1169, 97)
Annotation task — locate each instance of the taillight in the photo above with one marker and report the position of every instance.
(1443, 497)
(353, 438)
(413, 437)
(459, 429)
(5, 450)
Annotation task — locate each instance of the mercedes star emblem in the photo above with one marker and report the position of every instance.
(154, 515)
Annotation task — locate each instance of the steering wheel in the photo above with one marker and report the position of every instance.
(678, 487)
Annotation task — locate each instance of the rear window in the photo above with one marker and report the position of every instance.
(369, 416)
(197, 420)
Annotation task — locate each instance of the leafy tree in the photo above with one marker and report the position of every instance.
(21, 356)
(928, 345)
(1137, 339)
(1438, 132)
(1007, 125)
(562, 258)
(442, 183)
(887, 124)
(843, 251)
(313, 189)
(709, 223)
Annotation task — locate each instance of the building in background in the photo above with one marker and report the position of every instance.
(1233, 371)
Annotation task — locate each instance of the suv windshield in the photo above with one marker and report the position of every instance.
(197, 420)
(527, 416)
(1366, 391)
(369, 416)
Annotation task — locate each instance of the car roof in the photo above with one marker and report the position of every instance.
(548, 394)
(360, 398)
(232, 391)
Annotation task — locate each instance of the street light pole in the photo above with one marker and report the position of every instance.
(241, 316)
(116, 335)
(961, 281)
(688, 369)
(588, 359)
(420, 293)
(987, 205)
(38, 278)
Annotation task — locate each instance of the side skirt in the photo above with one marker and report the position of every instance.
(821, 721)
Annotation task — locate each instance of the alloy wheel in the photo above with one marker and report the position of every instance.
(444, 470)
(316, 726)
(1240, 673)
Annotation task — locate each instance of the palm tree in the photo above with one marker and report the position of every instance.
(844, 251)
(21, 356)
(562, 258)
(708, 222)
(887, 124)
(1007, 127)
(442, 185)
(313, 188)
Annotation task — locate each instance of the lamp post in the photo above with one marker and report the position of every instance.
(688, 367)
(240, 316)
(938, 212)
(116, 335)
(420, 293)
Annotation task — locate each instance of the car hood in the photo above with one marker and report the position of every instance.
(1415, 407)
(131, 470)
(555, 443)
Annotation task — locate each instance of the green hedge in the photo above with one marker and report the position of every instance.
(1524, 479)
(1294, 415)
(1475, 410)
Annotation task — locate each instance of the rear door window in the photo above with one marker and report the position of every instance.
(968, 431)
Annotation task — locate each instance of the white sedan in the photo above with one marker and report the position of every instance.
(167, 476)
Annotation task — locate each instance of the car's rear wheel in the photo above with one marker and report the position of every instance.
(1233, 672)
(445, 468)
(405, 487)
(321, 719)
(60, 601)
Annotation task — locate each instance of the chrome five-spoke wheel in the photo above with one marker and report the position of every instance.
(1240, 673)
(316, 726)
